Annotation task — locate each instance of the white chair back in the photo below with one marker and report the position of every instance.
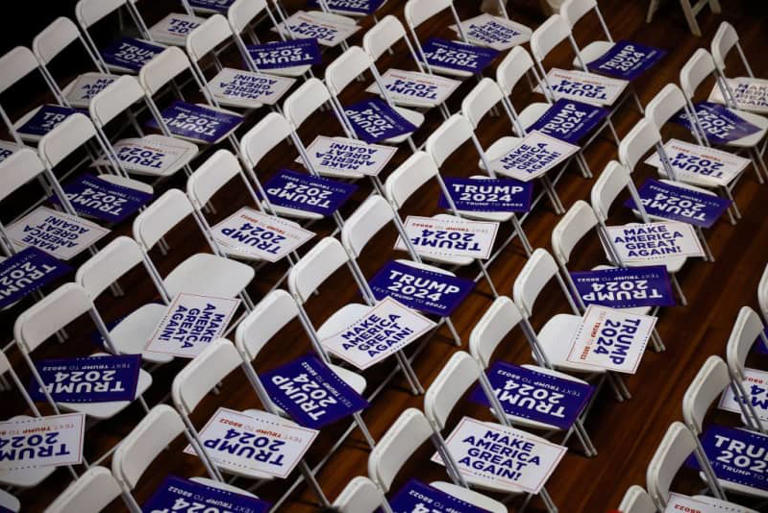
(15, 65)
(91, 493)
(512, 68)
(698, 67)
(535, 274)
(364, 223)
(454, 132)
(409, 177)
(607, 188)
(418, 11)
(705, 388)
(480, 100)
(316, 266)
(746, 332)
(572, 227)
(211, 176)
(163, 68)
(18, 169)
(489, 331)
(345, 68)
(263, 137)
(762, 293)
(547, 36)
(456, 377)
(242, 12)
(637, 500)
(360, 495)
(305, 100)
(114, 99)
(268, 317)
(667, 102)
(723, 42)
(678, 443)
(207, 36)
(107, 266)
(160, 217)
(65, 138)
(637, 142)
(57, 36)
(574, 10)
(382, 36)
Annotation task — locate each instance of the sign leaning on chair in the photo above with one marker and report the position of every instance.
(536, 154)
(700, 164)
(27, 271)
(494, 32)
(52, 441)
(756, 385)
(625, 287)
(182, 495)
(654, 242)
(736, 455)
(670, 201)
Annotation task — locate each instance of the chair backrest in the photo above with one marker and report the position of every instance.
(454, 132)
(574, 10)
(696, 69)
(382, 36)
(242, 12)
(91, 493)
(114, 99)
(607, 188)
(495, 324)
(572, 227)
(418, 11)
(417, 170)
(637, 500)
(548, 35)
(480, 100)
(160, 217)
(664, 105)
(707, 386)
(678, 443)
(305, 100)
(65, 138)
(512, 68)
(365, 223)
(316, 266)
(207, 36)
(268, 317)
(456, 377)
(211, 176)
(762, 293)
(746, 330)
(723, 42)
(56, 37)
(15, 65)
(270, 131)
(360, 495)
(18, 169)
(108, 265)
(163, 68)
(536, 273)
(345, 68)
(637, 142)
(89, 12)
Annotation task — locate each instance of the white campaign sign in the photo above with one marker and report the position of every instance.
(252, 234)
(756, 385)
(449, 237)
(256, 443)
(494, 32)
(248, 89)
(174, 28)
(190, 323)
(611, 339)
(28, 442)
(683, 504)
(654, 242)
(341, 155)
(152, 154)
(86, 86)
(536, 154)
(502, 456)
(700, 164)
(383, 330)
(584, 87)
(415, 88)
(750, 93)
(59, 234)
(329, 30)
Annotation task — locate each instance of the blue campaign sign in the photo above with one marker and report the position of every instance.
(736, 455)
(46, 119)
(354, 6)
(130, 53)
(627, 60)
(496, 195)
(458, 56)
(625, 287)
(420, 289)
(374, 120)
(197, 122)
(27, 271)
(311, 392)
(94, 379)
(285, 54)
(306, 192)
(720, 124)
(213, 5)
(417, 497)
(680, 204)
(94, 197)
(569, 120)
(185, 496)
(534, 395)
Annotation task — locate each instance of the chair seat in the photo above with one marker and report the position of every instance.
(26, 477)
(127, 182)
(721, 504)
(450, 72)
(499, 217)
(531, 114)
(426, 267)
(555, 339)
(753, 139)
(342, 319)
(295, 212)
(209, 275)
(414, 117)
(130, 336)
(190, 152)
(637, 310)
(470, 496)
(222, 486)
(592, 51)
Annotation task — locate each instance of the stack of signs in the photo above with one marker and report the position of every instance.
(626, 60)
(494, 32)
(736, 455)
(174, 29)
(347, 157)
(536, 154)
(247, 89)
(257, 444)
(130, 54)
(349, 6)
(536, 396)
(669, 201)
(27, 271)
(383, 330)
(488, 195)
(80, 92)
(583, 86)
(720, 124)
(457, 56)
(701, 504)
(428, 291)
(251, 234)
(449, 237)
(92, 196)
(756, 384)
(414, 88)
(569, 121)
(190, 323)
(58, 234)
(417, 497)
(700, 164)
(654, 242)
(41, 442)
(306, 192)
(375, 120)
(45, 119)
(95, 379)
(182, 495)
(312, 393)
(327, 29)
(7, 149)
(285, 54)
(625, 287)
(211, 5)
(749, 93)
(153, 155)
(502, 457)
(611, 339)
(197, 122)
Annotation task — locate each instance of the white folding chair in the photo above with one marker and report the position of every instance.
(724, 41)
(360, 495)
(91, 493)
(762, 294)
(637, 500)
(689, 10)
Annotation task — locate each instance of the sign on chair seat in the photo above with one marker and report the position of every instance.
(736, 455)
(700, 164)
(248, 89)
(27, 442)
(198, 122)
(342, 155)
(721, 125)
(183, 495)
(98, 198)
(449, 237)
(328, 30)
(457, 56)
(666, 200)
(415, 88)
(654, 242)
(494, 32)
(749, 93)
(27, 271)
(285, 54)
(152, 155)
(536, 154)
(583, 86)
(569, 120)
(306, 192)
(625, 287)
(375, 120)
(626, 60)
(130, 54)
(81, 90)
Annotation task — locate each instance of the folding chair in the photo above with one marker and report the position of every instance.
(689, 10)
(747, 330)
(724, 41)
(91, 493)
(637, 500)
(360, 495)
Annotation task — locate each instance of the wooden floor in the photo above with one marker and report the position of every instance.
(625, 434)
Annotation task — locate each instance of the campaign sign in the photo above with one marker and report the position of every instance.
(311, 393)
(611, 339)
(95, 197)
(343, 155)
(59, 234)
(374, 120)
(415, 88)
(494, 32)
(584, 86)
(625, 287)
(95, 379)
(86, 86)
(500, 456)
(174, 28)
(51, 441)
(627, 60)
(669, 201)
(756, 384)
(197, 122)
(211, 5)
(636, 242)
(253, 234)
(534, 395)
(190, 323)
(536, 154)
(154, 154)
(256, 443)
(748, 93)
(736, 455)
(285, 54)
(130, 53)
(7, 149)
(458, 56)
(678, 503)
(700, 164)
(353, 6)
(45, 119)
(420, 289)
(418, 497)
(27, 271)
(248, 89)
(720, 124)
(327, 30)
(306, 192)
(569, 120)
(449, 237)
(385, 329)
(494, 195)
(185, 496)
